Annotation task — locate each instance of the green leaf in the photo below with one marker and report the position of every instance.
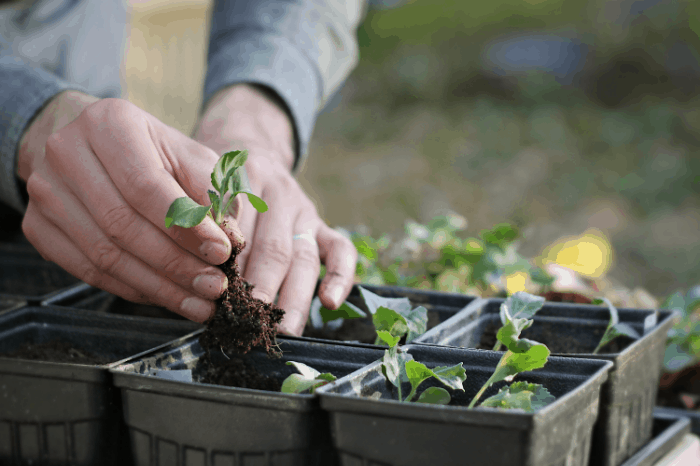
(512, 364)
(509, 334)
(389, 320)
(394, 366)
(434, 395)
(500, 235)
(541, 277)
(676, 302)
(215, 200)
(307, 379)
(345, 311)
(520, 395)
(450, 376)
(615, 327)
(388, 338)
(521, 305)
(226, 165)
(258, 203)
(374, 301)
(417, 322)
(186, 213)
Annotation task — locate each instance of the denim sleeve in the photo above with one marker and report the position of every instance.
(25, 90)
(302, 50)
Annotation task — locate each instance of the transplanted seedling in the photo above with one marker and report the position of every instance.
(391, 314)
(308, 379)
(615, 327)
(229, 177)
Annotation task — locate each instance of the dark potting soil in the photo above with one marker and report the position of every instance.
(241, 322)
(235, 372)
(56, 351)
(557, 343)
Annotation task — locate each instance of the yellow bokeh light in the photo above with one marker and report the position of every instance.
(517, 281)
(589, 254)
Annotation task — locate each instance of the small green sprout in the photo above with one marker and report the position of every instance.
(518, 310)
(229, 177)
(308, 379)
(521, 355)
(615, 327)
(398, 367)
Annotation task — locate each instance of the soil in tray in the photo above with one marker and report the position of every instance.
(235, 372)
(556, 342)
(56, 351)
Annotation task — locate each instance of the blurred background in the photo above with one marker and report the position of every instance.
(559, 117)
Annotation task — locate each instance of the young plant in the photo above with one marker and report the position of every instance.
(308, 379)
(615, 327)
(521, 355)
(391, 314)
(229, 177)
(398, 367)
(683, 346)
(518, 309)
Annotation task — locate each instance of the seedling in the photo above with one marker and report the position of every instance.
(308, 379)
(229, 177)
(683, 347)
(521, 355)
(518, 309)
(615, 327)
(391, 314)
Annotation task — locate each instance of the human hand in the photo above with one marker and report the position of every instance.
(101, 174)
(242, 117)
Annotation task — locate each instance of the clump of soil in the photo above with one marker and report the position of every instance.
(241, 322)
(235, 372)
(56, 351)
(555, 341)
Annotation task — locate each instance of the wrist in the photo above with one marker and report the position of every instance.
(60, 111)
(244, 116)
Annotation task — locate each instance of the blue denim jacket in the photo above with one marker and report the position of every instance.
(302, 49)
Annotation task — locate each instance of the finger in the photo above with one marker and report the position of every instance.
(139, 239)
(104, 257)
(271, 251)
(247, 219)
(297, 291)
(54, 246)
(340, 258)
(121, 138)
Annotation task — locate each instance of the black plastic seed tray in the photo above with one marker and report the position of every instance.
(212, 424)
(67, 413)
(90, 298)
(667, 432)
(24, 274)
(10, 304)
(629, 395)
(371, 427)
(692, 416)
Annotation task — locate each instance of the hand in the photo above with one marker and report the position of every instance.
(242, 117)
(101, 175)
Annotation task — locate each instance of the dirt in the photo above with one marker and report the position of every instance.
(56, 351)
(236, 372)
(557, 343)
(559, 297)
(241, 322)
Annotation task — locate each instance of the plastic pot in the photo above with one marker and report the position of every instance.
(10, 304)
(628, 397)
(692, 416)
(667, 432)
(66, 413)
(212, 424)
(24, 274)
(371, 427)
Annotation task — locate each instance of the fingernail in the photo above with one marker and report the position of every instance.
(335, 293)
(294, 323)
(213, 251)
(196, 309)
(210, 286)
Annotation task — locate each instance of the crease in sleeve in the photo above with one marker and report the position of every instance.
(25, 91)
(274, 62)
